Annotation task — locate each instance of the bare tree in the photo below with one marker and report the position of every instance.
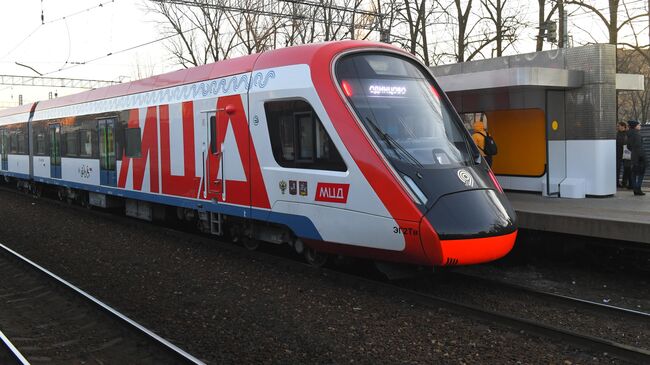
(543, 18)
(635, 59)
(634, 104)
(255, 30)
(471, 34)
(609, 19)
(199, 29)
(416, 16)
(506, 22)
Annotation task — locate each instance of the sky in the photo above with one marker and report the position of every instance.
(89, 31)
(77, 35)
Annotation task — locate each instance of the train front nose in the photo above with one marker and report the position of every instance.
(471, 227)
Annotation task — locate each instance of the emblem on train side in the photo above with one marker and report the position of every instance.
(465, 178)
(283, 186)
(333, 193)
(85, 171)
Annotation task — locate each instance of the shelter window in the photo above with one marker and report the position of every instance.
(298, 137)
(133, 143)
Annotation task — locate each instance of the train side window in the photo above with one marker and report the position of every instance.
(132, 145)
(305, 141)
(71, 143)
(286, 126)
(13, 142)
(298, 137)
(86, 137)
(22, 143)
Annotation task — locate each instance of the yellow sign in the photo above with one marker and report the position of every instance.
(554, 125)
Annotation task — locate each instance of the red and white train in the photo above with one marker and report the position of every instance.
(348, 148)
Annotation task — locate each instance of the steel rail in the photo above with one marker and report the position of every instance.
(542, 293)
(13, 349)
(168, 345)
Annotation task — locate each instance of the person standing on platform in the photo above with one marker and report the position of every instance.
(621, 141)
(484, 141)
(635, 145)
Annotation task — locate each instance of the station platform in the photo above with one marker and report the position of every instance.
(621, 217)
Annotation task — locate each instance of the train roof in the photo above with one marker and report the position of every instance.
(303, 54)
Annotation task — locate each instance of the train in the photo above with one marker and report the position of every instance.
(345, 148)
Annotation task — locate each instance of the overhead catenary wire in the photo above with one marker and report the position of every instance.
(44, 23)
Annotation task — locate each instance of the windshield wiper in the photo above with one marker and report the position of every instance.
(394, 144)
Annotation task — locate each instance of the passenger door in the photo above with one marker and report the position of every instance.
(214, 162)
(107, 169)
(229, 157)
(4, 147)
(55, 151)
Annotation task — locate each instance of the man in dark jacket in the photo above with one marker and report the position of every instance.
(621, 140)
(635, 145)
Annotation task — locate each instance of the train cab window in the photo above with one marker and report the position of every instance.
(298, 137)
(132, 146)
(86, 147)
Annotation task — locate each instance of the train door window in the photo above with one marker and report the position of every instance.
(298, 137)
(86, 147)
(133, 142)
(213, 134)
(55, 144)
(107, 144)
(41, 143)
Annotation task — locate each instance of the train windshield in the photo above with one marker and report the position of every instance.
(403, 111)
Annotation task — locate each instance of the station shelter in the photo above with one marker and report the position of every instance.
(551, 113)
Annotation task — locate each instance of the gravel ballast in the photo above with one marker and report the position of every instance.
(223, 306)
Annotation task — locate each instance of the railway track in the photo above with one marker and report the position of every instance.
(9, 354)
(593, 344)
(597, 344)
(50, 320)
(606, 309)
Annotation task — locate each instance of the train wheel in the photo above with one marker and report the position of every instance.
(85, 201)
(60, 193)
(315, 258)
(250, 243)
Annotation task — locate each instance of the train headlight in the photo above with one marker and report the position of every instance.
(414, 188)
